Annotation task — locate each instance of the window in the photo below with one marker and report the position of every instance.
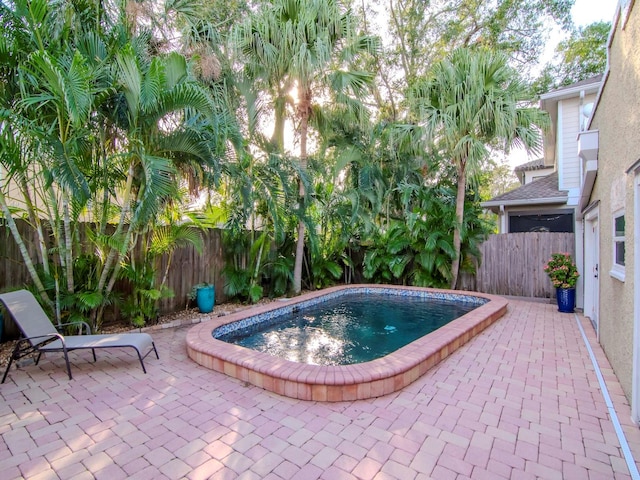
(618, 246)
(547, 222)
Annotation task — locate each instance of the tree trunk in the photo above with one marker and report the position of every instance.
(304, 110)
(43, 251)
(277, 138)
(115, 254)
(23, 250)
(297, 269)
(68, 243)
(460, 194)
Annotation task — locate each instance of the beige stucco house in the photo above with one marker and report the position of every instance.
(609, 204)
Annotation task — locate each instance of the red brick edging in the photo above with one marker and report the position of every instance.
(344, 382)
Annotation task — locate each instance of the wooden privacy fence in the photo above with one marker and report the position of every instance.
(188, 267)
(513, 263)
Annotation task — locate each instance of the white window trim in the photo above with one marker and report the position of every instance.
(617, 271)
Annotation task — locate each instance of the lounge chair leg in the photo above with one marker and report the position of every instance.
(156, 351)
(66, 359)
(38, 359)
(141, 362)
(4, 377)
(13, 354)
(93, 350)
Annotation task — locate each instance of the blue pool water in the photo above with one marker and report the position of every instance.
(349, 329)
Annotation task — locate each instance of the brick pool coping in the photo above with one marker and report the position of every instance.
(343, 382)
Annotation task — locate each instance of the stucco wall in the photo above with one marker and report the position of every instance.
(617, 117)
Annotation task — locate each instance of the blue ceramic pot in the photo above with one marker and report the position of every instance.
(566, 299)
(205, 298)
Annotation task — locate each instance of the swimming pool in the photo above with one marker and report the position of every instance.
(350, 328)
(338, 382)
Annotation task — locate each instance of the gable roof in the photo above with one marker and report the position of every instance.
(574, 87)
(537, 164)
(531, 166)
(539, 192)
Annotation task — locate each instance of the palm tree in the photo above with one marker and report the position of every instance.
(302, 44)
(90, 119)
(165, 124)
(48, 93)
(472, 102)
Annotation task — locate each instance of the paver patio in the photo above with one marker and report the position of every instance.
(520, 401)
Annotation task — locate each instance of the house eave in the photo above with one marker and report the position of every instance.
(571, 91)
(496, 205)
(588, 147)
(590, 173)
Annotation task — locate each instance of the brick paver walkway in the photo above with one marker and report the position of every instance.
(521, 401)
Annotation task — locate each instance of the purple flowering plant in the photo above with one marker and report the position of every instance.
(562, 270)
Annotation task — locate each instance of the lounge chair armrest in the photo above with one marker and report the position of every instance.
(79, 324)
(48, 336)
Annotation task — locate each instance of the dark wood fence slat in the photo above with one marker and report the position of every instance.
(188, 267)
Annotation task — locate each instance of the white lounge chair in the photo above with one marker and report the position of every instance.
(40, 335)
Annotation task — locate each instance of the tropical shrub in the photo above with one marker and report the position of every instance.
(418, 249)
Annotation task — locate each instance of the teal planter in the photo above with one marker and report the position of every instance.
(205, 298)
(566, 299)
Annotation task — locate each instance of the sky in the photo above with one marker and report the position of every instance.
(583, 12)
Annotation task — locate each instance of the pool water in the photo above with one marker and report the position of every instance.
(350, 329)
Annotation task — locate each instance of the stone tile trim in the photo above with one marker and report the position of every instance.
(274, 315)
(345, 382)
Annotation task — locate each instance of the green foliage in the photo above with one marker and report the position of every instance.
(311, 45)
(256, 266)
(418, 248)
(111, 116)
(562, 270)
(277, 273)
(255, 292)
(473, 101)
(496, 178)
(103, 124)
(75, 308)
(390, 255)
(580, 56)
(423, 33)
(237, 282)
(141, 305)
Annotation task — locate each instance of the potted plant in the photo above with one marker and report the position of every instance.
(204, 294)
(564, 275)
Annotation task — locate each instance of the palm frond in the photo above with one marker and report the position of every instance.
(167, 238)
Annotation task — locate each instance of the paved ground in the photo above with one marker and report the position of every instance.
(520, 401)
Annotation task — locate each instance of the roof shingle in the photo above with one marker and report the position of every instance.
(537, 164)
(544, 188)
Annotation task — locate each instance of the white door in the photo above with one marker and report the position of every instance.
(592, 268)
